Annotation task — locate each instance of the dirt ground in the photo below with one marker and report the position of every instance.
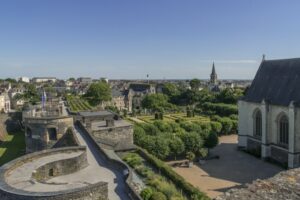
(233, 169)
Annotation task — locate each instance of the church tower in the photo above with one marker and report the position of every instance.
(213, 76)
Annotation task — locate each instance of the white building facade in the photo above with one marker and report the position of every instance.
(269, 114)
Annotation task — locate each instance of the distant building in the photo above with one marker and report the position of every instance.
(4, 102)
(85, 80)
(135, 94)
(269, 113)
(16, 102)
(24, 79)
(43, 79)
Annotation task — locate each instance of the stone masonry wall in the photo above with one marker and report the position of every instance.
(39, 139)
(97, 191)
(61, 167)
(118, 138)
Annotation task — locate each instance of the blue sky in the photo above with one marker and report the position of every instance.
(132, 38)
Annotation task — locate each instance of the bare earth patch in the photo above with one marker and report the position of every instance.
(233, 169)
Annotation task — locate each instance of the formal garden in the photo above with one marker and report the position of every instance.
(77, 103)
(162, 183)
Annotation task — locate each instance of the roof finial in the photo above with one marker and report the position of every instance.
(263, 57)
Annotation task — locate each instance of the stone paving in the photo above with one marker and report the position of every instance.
(233, 170)
(21, 176)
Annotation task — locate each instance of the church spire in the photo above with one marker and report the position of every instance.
(213, 72)
(213, 75)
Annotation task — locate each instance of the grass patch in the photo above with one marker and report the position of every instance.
(12, 147)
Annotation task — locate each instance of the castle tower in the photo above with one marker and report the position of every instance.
(213, 76)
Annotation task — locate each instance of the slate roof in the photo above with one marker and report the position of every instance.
(277, 82)
(103, 113)
(139, 87)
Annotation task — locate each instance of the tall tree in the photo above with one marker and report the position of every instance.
(98, 93)
(195, 84)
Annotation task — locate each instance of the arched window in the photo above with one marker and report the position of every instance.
(257, 124)
(283, 127)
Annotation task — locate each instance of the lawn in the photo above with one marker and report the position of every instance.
(12, 147)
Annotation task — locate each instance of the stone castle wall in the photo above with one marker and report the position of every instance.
(117, 138)
(119, 164)
(61, 167)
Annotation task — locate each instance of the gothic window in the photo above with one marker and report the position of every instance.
(257, 124)
(283, 130)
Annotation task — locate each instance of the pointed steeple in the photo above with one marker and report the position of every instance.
(213, 72)
(213, 75)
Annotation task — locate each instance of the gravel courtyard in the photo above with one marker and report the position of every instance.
(233, 169)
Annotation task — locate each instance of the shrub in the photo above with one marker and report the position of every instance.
(189, 127)
(163, 126)
(161, 149)
(150, 129)
(234, 126)
(192, 141)
(133, 159)
(138, 134)
(158, 196)
(146, 193)
(226, 125)
(220, 108)
(216, 127)
(212, 140)
(178, 180)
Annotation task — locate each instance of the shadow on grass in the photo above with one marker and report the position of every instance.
(14, 144)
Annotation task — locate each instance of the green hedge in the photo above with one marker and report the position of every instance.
(220, 109)
(192, 192)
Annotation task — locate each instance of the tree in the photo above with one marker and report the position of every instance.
(192, 141)
(31, 94)
(190, 156)
(195, 84)
(161, 148)
(98, 93)
(138, 134)
(211, 141)
(170, 89)
(156, 102)
(176, 146)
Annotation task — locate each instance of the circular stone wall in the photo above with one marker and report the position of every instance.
(29, 177)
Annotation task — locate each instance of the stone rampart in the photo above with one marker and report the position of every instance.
(96, 191)
(120, 165)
